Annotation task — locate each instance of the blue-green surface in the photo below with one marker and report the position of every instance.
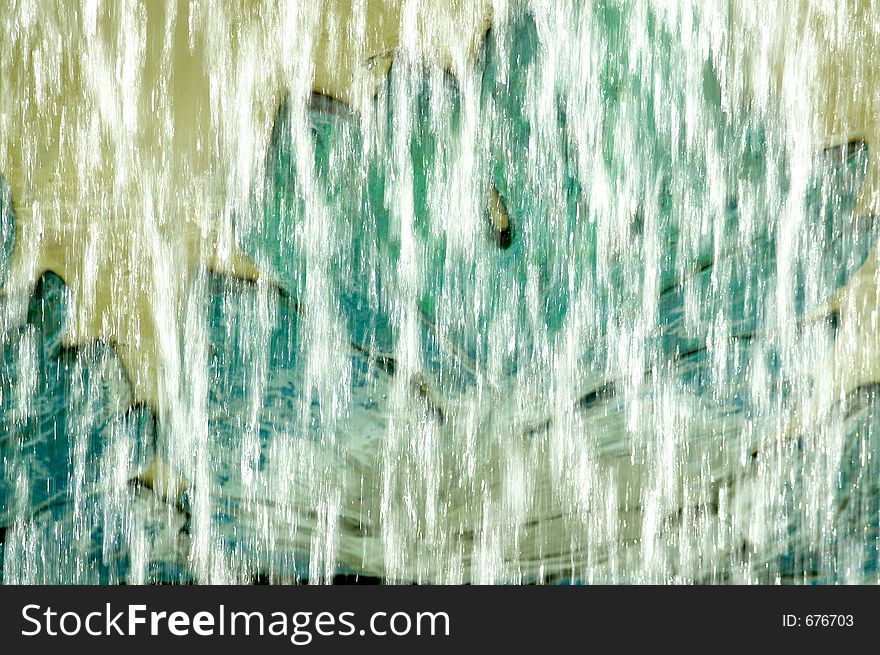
(77, 533)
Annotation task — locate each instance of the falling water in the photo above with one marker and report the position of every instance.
(437, 291)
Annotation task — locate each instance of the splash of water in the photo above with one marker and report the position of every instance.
(294, 292)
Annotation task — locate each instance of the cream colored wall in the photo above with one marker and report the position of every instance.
(835, 46)
(119, 156)
(818, 56)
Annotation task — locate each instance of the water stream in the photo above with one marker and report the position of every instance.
(502, 292)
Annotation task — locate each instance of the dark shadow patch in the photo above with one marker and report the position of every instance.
(590, 399)
(420, 385)
(261, 578)
(541, 427)
(499, 219)
(845, 151)
(385, 363)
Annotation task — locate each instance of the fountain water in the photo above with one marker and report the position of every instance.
(297, 291)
